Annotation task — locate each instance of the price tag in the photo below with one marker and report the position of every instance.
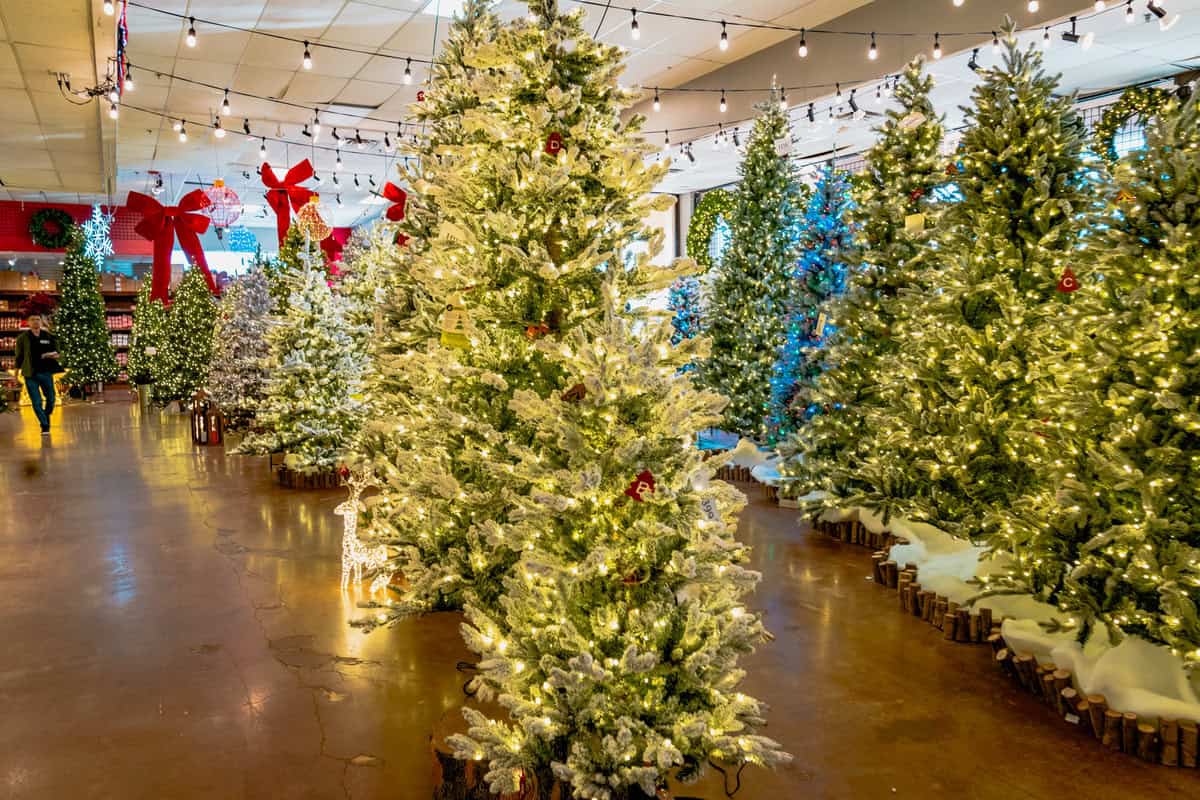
(911, 120)
(783, 146)
(820, 324)
(709, 507)
(914, 223)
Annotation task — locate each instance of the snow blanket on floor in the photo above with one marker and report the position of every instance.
(1134, 675)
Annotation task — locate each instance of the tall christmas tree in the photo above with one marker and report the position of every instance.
(311, 410)
(826, 255)
(184, 355)
(1115, 541)
(535, 189)
(615, 649)
(80, 324)
(967, 414)
(149, 326)
(237, 373)
(747, 312)
(894, 214)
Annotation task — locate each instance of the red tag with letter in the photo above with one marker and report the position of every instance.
(1067, 283)
(642, 484)
(554, 143)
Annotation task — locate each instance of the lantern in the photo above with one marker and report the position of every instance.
(225, 207)
(308, 220)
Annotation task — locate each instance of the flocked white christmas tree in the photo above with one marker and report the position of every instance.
(238, 372)
(311, 409)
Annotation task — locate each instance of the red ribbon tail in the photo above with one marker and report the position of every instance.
(160, 275)
(189, 242)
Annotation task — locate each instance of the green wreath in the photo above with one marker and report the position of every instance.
(712, 206)
(1137, 102)
(51, 228)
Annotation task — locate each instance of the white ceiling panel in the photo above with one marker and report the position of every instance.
(314, 89)
(366, 25)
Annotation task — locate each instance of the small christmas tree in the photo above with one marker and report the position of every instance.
(184, 355)
(311, 409)
(894, 214)
(746, 314)
(80, 322)
(1112, 537)
(615, 648)
(149, 326)
(826, 252)
(237, 374)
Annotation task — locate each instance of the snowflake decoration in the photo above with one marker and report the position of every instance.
(97, 243)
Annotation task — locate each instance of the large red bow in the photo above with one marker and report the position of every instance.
(162, 224)
(398, 199)
(287, 195)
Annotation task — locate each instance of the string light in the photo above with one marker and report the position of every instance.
(358, 140)
(177, 125)
(1099, 6)
(1033, 6)
(1046, 38)
(995, 43)
(724, 106)
(338, 164)
(634, 32)
(803, 45)
(973, 62)
(109, 9)
(724, 44)
(316, 123)
(872, 51)
(1073, 36)
(128, 78)
(1128, 12)
(113, 113)
(182, 131)
(307, 60)
(812, 114)
(218, 131)
(246, 127)
(783, 101)
(657, 102)
(113, 95)
(937, 45)
(408, 72)
(191, 34)
(262, 151)
(958, 3)
(225, 109)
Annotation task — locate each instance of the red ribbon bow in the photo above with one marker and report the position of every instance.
(287, 195)
(398, 199)
(162, 224)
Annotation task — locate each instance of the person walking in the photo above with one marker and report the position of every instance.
(37, 361)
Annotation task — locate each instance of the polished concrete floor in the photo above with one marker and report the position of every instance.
(171, 626)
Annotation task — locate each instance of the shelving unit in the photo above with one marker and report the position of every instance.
(120, 296)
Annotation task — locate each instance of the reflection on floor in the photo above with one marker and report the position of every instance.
(173, 628)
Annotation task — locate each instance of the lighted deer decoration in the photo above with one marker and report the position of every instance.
(356, 556)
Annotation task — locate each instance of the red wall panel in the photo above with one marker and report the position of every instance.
(14, 228)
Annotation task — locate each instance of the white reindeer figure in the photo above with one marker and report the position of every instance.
(357, 556)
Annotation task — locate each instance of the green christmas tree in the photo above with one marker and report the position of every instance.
(181, 366)
(894, 214)
(826, 252)
(1113, 537)
(149, 325)
(964, 412)
(80, 322)
(747, 309)
(311, 410)
(536, 189)
(237, 373)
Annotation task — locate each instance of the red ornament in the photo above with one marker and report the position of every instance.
(401, 240)
(554, 143)
(1067, 283)
(161, 225)
(534, 331)
(421, 96)
(916, 194)
(287, 195)
(398, 199)
(642, 484)
(225, 207)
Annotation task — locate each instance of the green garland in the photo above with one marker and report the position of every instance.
(712, 205)
(1137, 102)
(58, 235)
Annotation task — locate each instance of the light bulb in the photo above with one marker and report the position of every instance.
(872, 51)
(338, 164)
(316, 124)
(113, 94)
(783, 103)
(108, 8)
(307, 61)
(128, 79)
(937, 45)
(657, 102)
(724, 106)
(803, 45)
(995, 43)
(177, 125)
(182, 131)
(724, 38)
(225, 104)
(408, 72)
(262, 151)
(1033, 6)
(191, 34)
(113, 113)
(218, 131)
(634, 32)
(1046, 38)
(1099, 5)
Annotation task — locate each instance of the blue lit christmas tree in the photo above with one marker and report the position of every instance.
(684, 300)
(826, 251)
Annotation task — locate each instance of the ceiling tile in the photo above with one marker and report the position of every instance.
(17, 107)
(40, 22)
(314, 89)
(32, 179)
(365, 25)
(82, 181)
(303, 19)
(417, 37)
(10, 73)
(38, 62)
(391, 70)
(18, 158)
(366, 93)
(262, 81)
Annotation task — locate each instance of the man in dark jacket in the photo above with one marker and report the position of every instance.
(37, 360)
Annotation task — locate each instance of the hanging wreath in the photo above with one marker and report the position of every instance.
(51, 228)
(713, 205)
(1140, 102)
